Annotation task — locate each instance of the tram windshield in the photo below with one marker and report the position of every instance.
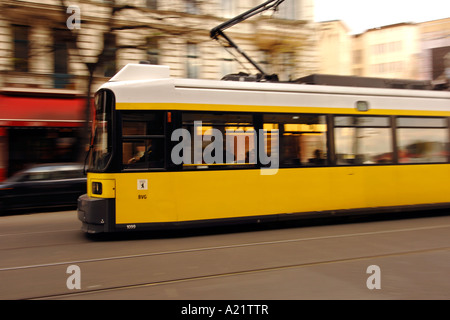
(101, 146)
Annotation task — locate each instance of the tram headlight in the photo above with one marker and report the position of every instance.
(97, 188)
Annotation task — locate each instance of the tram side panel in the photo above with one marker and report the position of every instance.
(423, 184)
(146, 197)
(233, 194)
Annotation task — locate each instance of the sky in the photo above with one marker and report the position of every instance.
(360, 15)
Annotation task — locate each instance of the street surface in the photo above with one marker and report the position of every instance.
(405, 258)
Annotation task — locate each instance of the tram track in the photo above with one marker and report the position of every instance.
(242, 245)
(195, 264)
(231, 274)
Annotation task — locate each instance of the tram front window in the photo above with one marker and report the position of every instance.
(101, 146)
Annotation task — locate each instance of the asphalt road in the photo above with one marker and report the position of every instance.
(410, 259)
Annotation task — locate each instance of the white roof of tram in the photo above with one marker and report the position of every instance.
(141, 82)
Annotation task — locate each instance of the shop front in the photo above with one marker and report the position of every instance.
(38, 127)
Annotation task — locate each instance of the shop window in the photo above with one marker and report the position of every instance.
(33, 145)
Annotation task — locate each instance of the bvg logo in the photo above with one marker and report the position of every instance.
(142, 196)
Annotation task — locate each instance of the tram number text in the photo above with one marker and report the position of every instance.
(131, 226)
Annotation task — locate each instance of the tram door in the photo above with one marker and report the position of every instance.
(144, 193)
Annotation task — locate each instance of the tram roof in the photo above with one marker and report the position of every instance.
(146, 76)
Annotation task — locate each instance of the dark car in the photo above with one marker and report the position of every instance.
(45, 185)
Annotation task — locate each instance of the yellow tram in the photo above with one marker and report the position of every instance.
(171, 153)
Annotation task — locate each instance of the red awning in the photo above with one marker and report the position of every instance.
(41, 111)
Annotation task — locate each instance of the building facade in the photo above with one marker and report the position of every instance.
(387, 52)
(335, 48)
(54, 53)
(416, 51)
(434, 61)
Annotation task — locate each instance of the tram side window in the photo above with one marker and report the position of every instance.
(422, 140)
(142, 140)
(363, 140)
(222, 140)
(301, 137)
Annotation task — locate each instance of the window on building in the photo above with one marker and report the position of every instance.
(265, 59)
(229, 8)
(422, 140)
(110, 55)
(363, 140)
(288, 10)
(60, 52)
(21, 47)
(227, 64)
(358, 72)
(142, 140)
(60, 59)
(152, 50)
(287, 65)
(192, 7)
(389, 47)
(151, 4)
(193, 61)
(357, 56)
(302, 138)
